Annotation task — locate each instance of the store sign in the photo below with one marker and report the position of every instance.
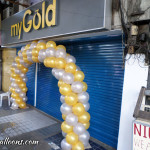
(56, 18)
(141, 136)
(37, 21)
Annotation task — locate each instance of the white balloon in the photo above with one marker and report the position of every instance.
(86, 106)
(71, 119)
(12, 79)
(64, 134)
(29, 52)
(12, 100)
(70, 59)
(84, 137)
(78, 68)
(14, 64)
(56, 74)
(20, 55)
(41, 41)
(60, 73)
(77, 87)
(41, 59)
(25, 79)
(29, 58)
(17, 71)
(23, 48)
(62, 98)
(50, 52)
(54, 71)
(33, 45)
(65, 145)
(14, 105)
(14, 85)
(60, 53)
(42, 53)
(68, 78)
(65, 109)
(22, 75)
(25, 98)
(18, 90)
(83, 97)
(22, 94)
(79, 128)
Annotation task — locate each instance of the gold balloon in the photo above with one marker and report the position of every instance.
(18, 80)
(78, 109)
(71, 98)
(14, 95)
(22, 105)
(34, 41)
(64, 116)
(27, 61)
(17, 59)
(41, 45)
(72, 138)
(86, 125)
(60, 83)
(27, 46)
(24, 54)
(14, 75)
(25, 89)
(78, 146)
(70, 67)
(60, 63)
(22, 85)
(35, 52)
(12, 89)
(49, 62)
(84, 118)
(35, 59)
(20, 66)
(66, 128)
(68, 54)
(84, 86)
(60, 47)
(51, 44)
(79, 76)
(24, 70)
(65, 89)
(19, 51)
(12, 69)
(18, 100)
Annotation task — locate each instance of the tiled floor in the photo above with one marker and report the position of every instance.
(30, 124)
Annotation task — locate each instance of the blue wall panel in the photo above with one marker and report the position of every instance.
(100, 59)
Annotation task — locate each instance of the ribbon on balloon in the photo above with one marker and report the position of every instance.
(74, 97)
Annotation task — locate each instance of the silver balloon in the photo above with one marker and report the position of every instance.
(70, 59)
(84, 137)
(17, 90)
(50, 52)
(71, 119)
(12, 99)
(41, 41)
(42, 53)
(41, 59)
(23, 48)
(56, 74)
(22, 94)
(62, 98)
(79, 128)
(77, 87)
(17, 71)
(30, 59)
(21, 61)
(22, 75)
(29, 52)
(25, 98)
(14, 85)
(78, 68)
(12, 79)
(33, 45)
(65, 145)
(65, 109)
(60, 73)
(20, 55)
(83, 97)
(68, 78)
(60, 53)
(86, 106)
(14, 64)
(54, 71)
(14, 105)
(25, 79)
(64, 134)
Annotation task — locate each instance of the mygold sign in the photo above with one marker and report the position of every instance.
(46, 17)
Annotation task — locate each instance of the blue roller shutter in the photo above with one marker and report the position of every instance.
(100, 58)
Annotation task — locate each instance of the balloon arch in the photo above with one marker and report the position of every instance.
(74, 97)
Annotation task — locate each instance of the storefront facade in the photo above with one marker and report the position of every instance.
(99, 55)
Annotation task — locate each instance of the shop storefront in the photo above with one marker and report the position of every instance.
(98, 51)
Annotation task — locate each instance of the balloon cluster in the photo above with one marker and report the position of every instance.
(74, 97)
